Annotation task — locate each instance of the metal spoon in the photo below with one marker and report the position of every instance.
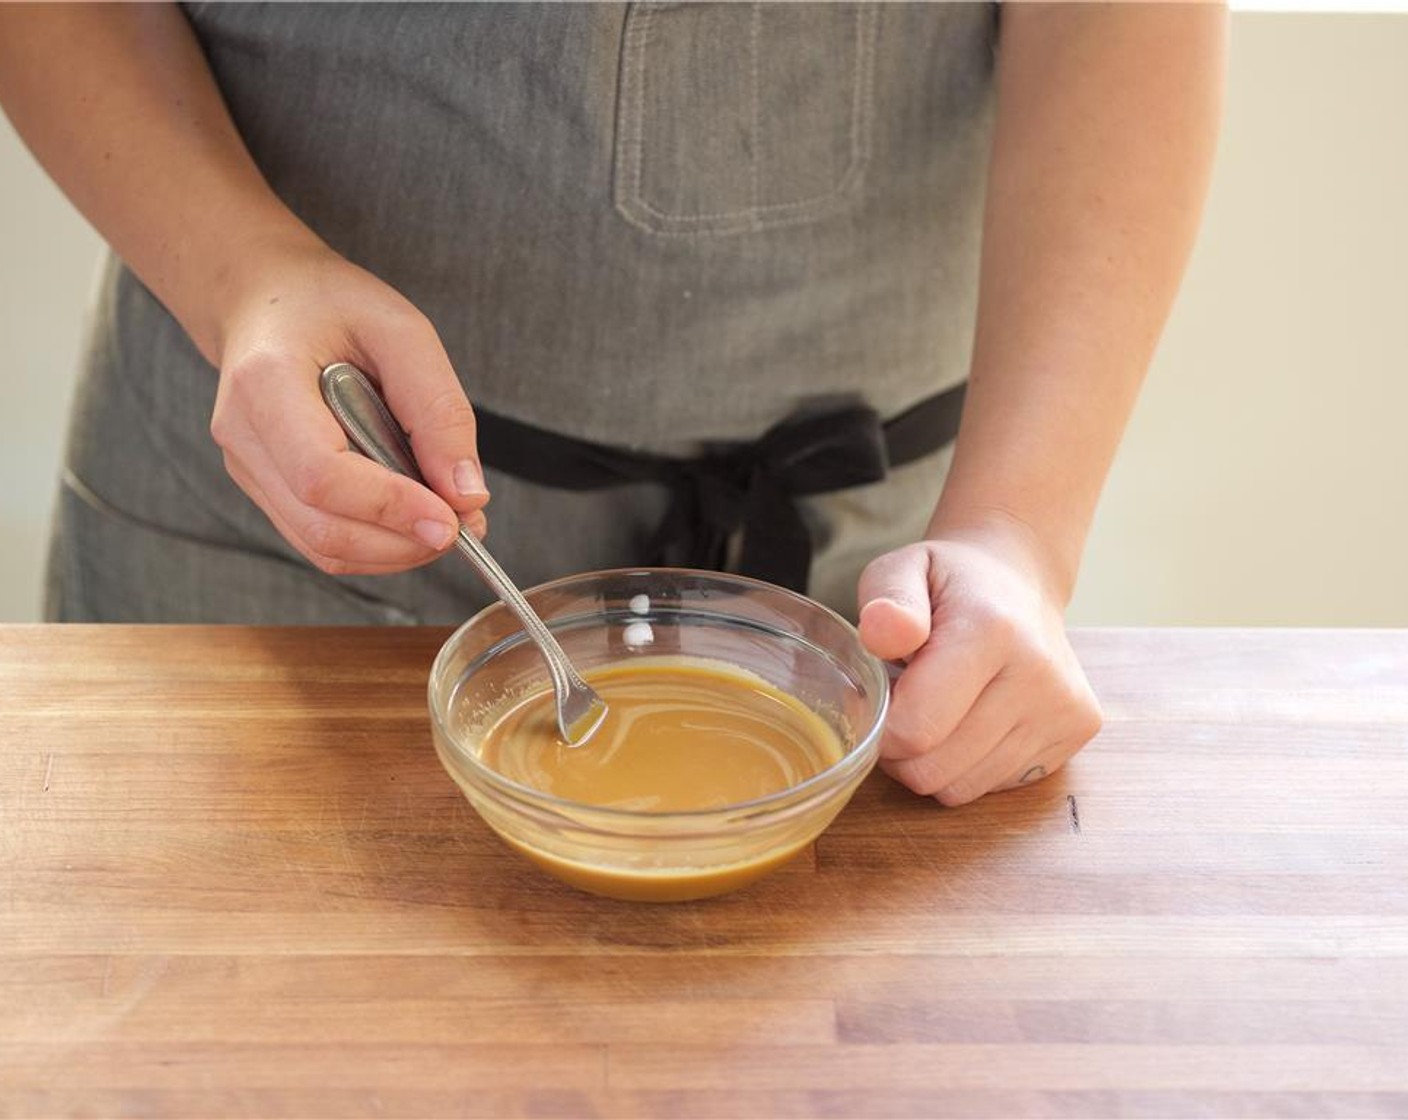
(374, 432)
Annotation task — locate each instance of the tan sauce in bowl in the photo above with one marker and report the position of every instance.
(678, 738)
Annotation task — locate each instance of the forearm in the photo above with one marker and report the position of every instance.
(1107, 121)
(119, 105)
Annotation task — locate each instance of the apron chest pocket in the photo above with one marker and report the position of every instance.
(734, 118)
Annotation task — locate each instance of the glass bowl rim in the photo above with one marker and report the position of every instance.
(813, 788)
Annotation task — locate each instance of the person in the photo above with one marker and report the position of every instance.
(681, 247)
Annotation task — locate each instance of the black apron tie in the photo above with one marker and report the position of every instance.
(747, 492)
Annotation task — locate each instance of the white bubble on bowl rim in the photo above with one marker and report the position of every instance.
(638, 634)
(640, 604)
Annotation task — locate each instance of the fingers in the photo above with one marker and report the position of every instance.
(339, 509)
(894, 597)
(937, 689)
(1016, 768)
(337, 545)
(309, 451)
(987, 723)
(1026, 753)
(1019, 763)
(426, 397)
(1023, 757)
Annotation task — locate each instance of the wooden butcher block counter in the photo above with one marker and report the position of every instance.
(234, 880)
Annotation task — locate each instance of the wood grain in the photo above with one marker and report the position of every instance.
(234, 881)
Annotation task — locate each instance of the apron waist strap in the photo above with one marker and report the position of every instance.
(749, 489)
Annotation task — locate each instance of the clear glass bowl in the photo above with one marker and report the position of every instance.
(607, 618)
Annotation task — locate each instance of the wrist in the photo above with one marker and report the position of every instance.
(1049, 559)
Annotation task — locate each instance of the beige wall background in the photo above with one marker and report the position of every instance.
(1264, 479)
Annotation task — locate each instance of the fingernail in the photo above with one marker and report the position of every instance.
(436, 534)
(478, 525)
(468, 478)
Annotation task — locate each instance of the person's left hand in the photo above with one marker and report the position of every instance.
(992, 695)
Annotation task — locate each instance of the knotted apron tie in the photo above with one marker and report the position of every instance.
(748, 491)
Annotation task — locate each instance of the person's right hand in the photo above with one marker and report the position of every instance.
(302, 309)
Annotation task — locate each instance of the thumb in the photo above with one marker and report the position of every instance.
(430, 403)
(895, 611)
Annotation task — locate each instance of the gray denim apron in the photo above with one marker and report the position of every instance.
(656, 226)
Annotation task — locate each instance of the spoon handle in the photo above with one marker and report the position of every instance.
(372, 429)
(367, 421)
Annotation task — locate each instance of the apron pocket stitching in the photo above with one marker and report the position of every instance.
(631, 194)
